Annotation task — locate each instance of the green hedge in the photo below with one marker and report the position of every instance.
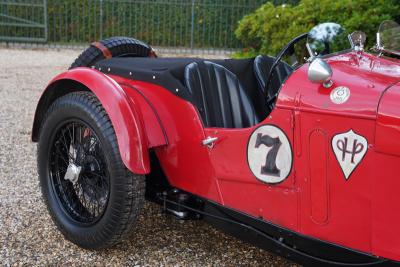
(270, 27)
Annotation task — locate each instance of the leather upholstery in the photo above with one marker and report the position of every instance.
(219, 96)
(262, 67)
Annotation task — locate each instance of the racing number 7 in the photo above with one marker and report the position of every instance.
(270, 167)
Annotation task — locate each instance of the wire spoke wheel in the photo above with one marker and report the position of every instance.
(92, 197)
(78, 172)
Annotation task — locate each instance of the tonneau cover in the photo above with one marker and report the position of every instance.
(169, 72)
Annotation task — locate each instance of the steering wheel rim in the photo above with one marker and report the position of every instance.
(275, 64)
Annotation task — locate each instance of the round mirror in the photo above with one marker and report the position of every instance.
(327, 38)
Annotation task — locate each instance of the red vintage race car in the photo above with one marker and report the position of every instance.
(297, 155)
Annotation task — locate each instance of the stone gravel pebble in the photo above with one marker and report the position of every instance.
(28, 236)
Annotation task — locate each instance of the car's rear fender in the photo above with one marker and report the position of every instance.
(124, 112)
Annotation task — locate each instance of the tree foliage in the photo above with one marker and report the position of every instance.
(158, 22)
(270, 27)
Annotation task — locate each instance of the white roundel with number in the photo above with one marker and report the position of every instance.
(269, 154)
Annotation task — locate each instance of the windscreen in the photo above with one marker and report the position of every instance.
(389, 37)
(327, 38)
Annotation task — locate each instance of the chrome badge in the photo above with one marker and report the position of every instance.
(340, 95)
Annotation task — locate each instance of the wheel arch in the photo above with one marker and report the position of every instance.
(125, 117)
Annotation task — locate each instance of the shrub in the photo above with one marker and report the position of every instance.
(270, 27)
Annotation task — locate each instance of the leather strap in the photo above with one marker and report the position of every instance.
(152, 53)
(106, 52)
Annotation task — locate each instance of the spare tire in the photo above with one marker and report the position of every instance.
(112, 47)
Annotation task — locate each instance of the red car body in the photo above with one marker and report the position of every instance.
(316, 200)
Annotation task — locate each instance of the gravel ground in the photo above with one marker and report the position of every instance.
(27, 234)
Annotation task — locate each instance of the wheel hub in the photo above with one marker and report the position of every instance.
(72, 173)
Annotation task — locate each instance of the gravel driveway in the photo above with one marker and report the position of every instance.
(27, 234)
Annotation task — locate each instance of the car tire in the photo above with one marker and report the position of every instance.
(117, 46)
(103, 178)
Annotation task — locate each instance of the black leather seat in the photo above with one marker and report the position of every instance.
(262, 67)
(219, 96)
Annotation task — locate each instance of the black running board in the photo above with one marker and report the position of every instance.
(283, 242)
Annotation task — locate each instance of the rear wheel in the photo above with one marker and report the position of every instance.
(93, 199)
